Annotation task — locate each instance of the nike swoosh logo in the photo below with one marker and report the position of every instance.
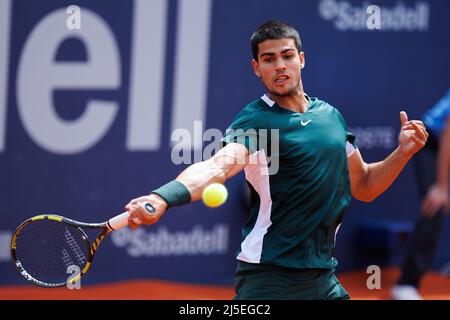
(305, 123)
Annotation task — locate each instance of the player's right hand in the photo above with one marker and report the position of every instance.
(139, 214)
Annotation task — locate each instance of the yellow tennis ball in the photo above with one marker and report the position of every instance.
(214, 195)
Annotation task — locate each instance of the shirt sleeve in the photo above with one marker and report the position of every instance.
(351, 139)
(350, 145)
(250, 129)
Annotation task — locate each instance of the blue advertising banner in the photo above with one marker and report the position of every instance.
(103, 101)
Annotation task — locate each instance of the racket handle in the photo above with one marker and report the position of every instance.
(119, 221)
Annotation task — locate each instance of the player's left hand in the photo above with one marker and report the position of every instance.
(413, 135)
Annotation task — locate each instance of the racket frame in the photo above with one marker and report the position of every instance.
(104, 226)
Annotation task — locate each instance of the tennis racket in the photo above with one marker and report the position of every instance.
(45, 248)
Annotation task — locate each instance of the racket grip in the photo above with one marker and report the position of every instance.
(119, 221)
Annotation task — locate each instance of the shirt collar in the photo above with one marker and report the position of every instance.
(267, 100)
(270, 102)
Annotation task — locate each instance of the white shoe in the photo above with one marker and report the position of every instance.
(405, 292)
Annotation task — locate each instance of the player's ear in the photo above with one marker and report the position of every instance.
(255, 66)
(302, 59)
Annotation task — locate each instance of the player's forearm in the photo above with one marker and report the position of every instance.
(225, 164)
(380, 175)
(443, 164)
(199, 175)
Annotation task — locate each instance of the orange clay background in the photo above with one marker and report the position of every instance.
(435, 287)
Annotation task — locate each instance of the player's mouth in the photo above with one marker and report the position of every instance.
(281, 79)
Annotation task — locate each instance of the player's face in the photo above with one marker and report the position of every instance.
(279, 64)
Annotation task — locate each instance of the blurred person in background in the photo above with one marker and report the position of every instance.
(432, 165)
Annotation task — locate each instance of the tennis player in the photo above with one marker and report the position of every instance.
(288, 239)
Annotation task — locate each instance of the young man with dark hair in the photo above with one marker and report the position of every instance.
(288, 240)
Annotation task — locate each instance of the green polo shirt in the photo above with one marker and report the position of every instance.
(298, 179)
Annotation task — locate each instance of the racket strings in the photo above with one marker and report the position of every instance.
(75, 247)
(47, 249)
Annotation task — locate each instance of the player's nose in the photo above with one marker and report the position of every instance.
(280, 66)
